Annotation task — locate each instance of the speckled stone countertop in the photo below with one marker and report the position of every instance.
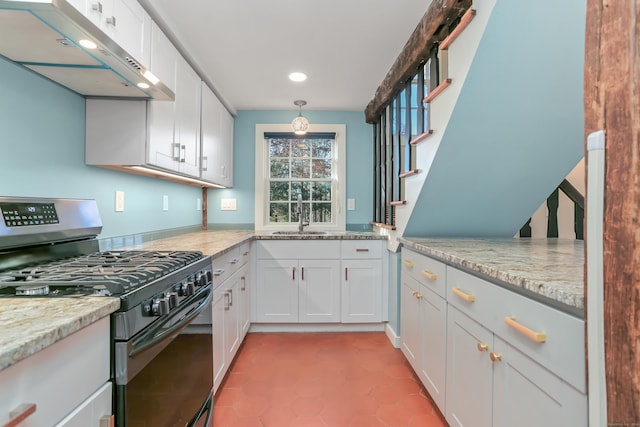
(27, 325)
(329, 235)
(549, 268)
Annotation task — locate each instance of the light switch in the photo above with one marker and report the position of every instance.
(198, 204)
(119, 201)
(165, 203)
(228, 204)
(351, 204)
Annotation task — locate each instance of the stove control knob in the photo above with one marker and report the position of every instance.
(173, 299)
(160, 306)
(209, 276)
(187, 288)
(202, 280)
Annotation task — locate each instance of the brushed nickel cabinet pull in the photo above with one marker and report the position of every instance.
(302, 273)
(529, 333)
(346, 275)
(362, 250)
(226, 301)
(20, 414)
(293, 273)
(244, 283)
(111, 21)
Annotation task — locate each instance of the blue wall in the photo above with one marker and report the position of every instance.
(359, 165)
(517, 128)
(42, 134)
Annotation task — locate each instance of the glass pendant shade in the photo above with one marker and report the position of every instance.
(300, 125)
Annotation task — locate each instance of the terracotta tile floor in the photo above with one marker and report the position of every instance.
(322, 380)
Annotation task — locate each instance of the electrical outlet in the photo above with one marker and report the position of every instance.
(119, 201)
(351, 204)
(165, 203)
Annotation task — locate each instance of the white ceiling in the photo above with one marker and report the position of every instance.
(247, 48)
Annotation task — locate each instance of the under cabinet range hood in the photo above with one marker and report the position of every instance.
(45, 35)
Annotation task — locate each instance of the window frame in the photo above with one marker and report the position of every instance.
(338, 179)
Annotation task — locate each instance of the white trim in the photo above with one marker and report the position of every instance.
(339, 179)
(393, 337)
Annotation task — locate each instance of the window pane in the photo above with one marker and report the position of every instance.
(298, 187)
(321, 168)
(279, 147)
(322, 148)
(300, 148)
(322, 212)
(321, 191)
(300, 168)
(279, 191)
(279, 212)
(279, 168)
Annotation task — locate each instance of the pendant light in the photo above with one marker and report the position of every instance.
(300, 124)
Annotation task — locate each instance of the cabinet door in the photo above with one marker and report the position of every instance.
(129, 25)
(433, 339)
(244, 301)
(211, 136)
(277, 291)
(220, 362)
(163, 150)
(319, 291)
(361, 291)
(410, 321)
(226, 168)
(232, 316)
(469, 372)
(163, 57)
(187, 133)
(526, 394)
(92, 411)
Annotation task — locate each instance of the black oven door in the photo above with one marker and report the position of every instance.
(164, 375)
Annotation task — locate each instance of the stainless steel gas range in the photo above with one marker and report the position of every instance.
(161, 365)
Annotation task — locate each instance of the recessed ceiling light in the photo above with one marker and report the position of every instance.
(297, 77)
(143, 85)
(87, 44)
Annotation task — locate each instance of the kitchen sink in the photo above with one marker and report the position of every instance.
(298, 233)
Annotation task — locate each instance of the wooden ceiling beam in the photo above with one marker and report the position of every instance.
(431, 29)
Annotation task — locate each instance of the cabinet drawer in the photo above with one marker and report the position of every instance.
(546, 335)
(427, 271)
(77, 364)
(361, 249)
(244, 252)
(225, 265)
(298, 249)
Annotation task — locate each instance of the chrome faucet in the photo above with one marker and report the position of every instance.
(301, 223)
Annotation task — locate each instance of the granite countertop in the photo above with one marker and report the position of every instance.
(30, 324)
(329, 235)
(549, 268)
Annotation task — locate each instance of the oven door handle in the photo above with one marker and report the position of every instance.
(157, 334)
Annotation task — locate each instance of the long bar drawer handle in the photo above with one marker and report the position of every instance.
(218, 271)
(20, 414)
(407, 263)
(429, 275)
(465, 296)
(362, 250)
(529, 333)
(107, 421)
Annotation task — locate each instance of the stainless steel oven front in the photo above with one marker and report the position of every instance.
(164, 373)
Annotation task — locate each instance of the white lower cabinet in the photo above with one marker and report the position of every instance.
(292, 290)
(230, 308)
(490, 357)
(68, 382)
(424, 333)
(361, 281)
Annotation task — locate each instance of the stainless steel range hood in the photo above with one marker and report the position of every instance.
(44, 37)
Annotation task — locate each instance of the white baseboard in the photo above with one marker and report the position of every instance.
(391, 334)
(316, 327)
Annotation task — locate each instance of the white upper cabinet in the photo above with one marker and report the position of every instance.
(217, 140)
(125, 21)
(187, 120)
(164, 57)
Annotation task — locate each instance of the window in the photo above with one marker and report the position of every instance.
(289, 167)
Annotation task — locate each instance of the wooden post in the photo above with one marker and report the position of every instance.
(612, 103)
(205, 215)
